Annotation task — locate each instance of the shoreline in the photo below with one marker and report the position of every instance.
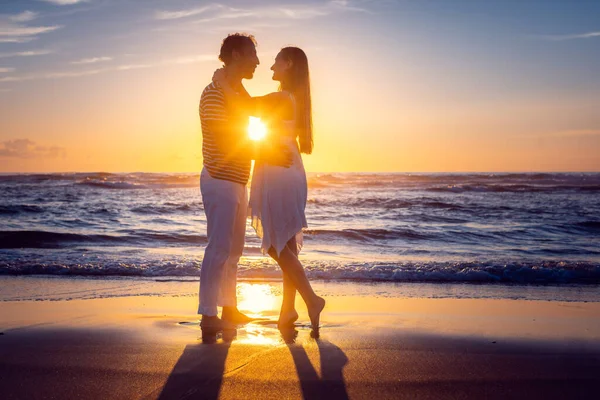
(58, 288)
(62, 288)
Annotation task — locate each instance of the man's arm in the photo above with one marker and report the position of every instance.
(224, 132)
(273, 106)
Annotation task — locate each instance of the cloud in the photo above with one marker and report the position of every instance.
(4, 70)
(248, 27)
(126, 67)
(24, 16)
(28, 53)
(13, 29)
(92, 60)
(132, 66)
(26, 30)
(16, 39)
(67, 74)
(587, 35)
(65, 2)
(25, 148)
(192, 59)
(184, 13)
(297, 11)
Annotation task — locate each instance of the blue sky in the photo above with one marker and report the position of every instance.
(421, 73)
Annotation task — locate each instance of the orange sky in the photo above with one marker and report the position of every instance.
(421, 95)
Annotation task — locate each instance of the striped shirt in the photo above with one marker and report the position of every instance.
(213, 108)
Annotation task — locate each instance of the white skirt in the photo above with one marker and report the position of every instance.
(277, 202)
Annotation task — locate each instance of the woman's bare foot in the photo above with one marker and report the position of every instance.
(314, 312)
(287, 319)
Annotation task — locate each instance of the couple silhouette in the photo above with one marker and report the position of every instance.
(276, 207)
(278, 191)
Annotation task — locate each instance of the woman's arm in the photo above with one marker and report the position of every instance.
(273, 106)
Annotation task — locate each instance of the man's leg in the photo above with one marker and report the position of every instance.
(221, 202)
(228, 298)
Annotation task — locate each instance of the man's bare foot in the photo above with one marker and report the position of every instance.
(314, 312)
(234, 316)
(287, 319)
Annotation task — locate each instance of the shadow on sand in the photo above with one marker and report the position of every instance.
(331, 384)
(199, 371)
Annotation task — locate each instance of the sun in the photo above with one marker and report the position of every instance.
(256, 129)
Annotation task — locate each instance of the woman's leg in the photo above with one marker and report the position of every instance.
(291, 266)
(288, 314)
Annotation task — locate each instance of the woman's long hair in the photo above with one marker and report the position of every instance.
(297, 81)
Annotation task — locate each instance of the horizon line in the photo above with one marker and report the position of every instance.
(315, 172)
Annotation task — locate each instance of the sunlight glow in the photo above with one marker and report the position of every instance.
(256, 129)
(255, 299)
(258, 300)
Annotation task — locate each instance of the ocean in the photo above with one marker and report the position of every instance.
(443, 228)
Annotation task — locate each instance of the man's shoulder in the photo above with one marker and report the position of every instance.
(212, 90)
(212, 104)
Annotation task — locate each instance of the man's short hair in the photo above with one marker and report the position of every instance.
(234, 42)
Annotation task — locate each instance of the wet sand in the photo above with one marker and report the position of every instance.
(376, 348)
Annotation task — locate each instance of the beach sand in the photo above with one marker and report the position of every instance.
(370, 347)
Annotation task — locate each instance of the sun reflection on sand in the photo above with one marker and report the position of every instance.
(259, 335)
(259, 300)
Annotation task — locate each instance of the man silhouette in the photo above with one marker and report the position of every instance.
(227, 152)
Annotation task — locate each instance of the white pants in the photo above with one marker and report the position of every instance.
(225, 206)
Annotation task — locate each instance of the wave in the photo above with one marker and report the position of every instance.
(140, 181)
(512, 188)
(103, 211)
(20, 209)
(168, 208)
(112, 185)
(441, 182)
(526, 273)
(591, 225)
(458, 182)
(105, 180)
(48, 240)
(365, 235)
(386, 203)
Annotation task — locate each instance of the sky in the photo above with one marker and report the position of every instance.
(406, 86)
